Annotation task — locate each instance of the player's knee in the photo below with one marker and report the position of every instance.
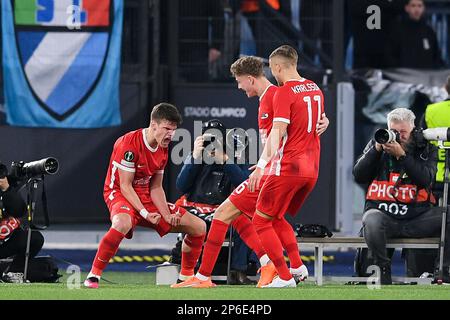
(261, 223)
(122, 224)
(198, 226)
(226, 212)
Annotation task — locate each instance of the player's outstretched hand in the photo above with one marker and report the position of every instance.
(322, 125)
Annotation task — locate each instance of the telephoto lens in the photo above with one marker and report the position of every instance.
(39, 167)
(383, 136)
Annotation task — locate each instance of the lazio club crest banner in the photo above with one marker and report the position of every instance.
(61, 62)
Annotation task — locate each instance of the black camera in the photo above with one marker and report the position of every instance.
(22, 170)
(3, 171)
(213, 131)
(383, 136)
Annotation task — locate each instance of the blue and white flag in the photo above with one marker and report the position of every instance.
(61, 62)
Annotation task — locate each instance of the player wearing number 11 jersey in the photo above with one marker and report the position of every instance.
(293, 149)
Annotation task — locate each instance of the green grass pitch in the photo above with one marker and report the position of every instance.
(139, 286)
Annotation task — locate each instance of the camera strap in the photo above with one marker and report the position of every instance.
(45, 209)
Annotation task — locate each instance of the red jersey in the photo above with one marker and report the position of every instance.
(265, 116)
(132, 153)
(265, 112)
(299, 103)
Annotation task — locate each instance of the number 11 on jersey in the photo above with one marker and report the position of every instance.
(318, 99)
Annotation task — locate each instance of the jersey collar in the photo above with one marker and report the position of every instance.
(264, 92)
(146, 142)
(298, 80)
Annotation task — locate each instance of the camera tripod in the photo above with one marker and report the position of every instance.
(32, 185)
(444, 210)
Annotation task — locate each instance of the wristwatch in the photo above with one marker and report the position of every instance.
(401, 158)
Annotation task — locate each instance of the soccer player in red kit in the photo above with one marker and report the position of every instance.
(249, 75)
(293, 149)
(134, 194)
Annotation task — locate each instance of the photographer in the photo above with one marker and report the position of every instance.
(13, 239)
(206, 180)
(399, 204)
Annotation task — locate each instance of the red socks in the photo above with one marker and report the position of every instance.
(189, 259)
(272, 245)
(247, 232)
(216, 237)
(106, 250)
(287, 237)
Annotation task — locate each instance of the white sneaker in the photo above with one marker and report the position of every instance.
(300, 274)
(277, 282)
(13, 277)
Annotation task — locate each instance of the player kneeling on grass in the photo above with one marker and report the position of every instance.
(134, 195)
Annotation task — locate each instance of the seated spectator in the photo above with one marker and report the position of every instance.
(412, 42)
(206, 184)
(399, 202)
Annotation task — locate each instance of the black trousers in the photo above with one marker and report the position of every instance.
(16, 245)
(378, 227)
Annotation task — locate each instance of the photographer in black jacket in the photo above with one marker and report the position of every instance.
(13, 239)
(399, 203)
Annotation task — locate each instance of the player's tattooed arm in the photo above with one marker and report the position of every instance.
(159, 199)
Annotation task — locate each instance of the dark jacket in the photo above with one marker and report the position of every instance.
(13, 204)
(379, 171)
(209, 184)
(413, 44)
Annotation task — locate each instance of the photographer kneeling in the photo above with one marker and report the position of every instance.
(399, 171)
(13, 239)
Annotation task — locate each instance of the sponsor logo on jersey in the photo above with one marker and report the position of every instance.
(264, 116)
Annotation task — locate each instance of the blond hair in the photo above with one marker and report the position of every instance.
(251, 66)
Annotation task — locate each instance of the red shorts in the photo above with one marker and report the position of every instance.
(121, 205)
(284, 194)
(245, 200)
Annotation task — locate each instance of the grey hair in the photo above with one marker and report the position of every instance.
(401, 114)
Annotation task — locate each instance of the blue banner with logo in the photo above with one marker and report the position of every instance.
(61, 62)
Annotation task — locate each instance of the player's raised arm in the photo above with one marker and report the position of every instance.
(159, 200)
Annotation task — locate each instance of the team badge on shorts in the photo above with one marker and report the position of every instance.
(129, 156)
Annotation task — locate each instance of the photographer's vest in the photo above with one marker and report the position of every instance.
(397, 195)
(437, 115)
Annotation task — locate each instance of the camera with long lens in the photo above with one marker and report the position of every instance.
(383, 136)
(29, 170)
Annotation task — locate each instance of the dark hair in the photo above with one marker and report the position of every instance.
(166, 111)
(409, 1)
(447, 85)
(286, 52)
(252, 66)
